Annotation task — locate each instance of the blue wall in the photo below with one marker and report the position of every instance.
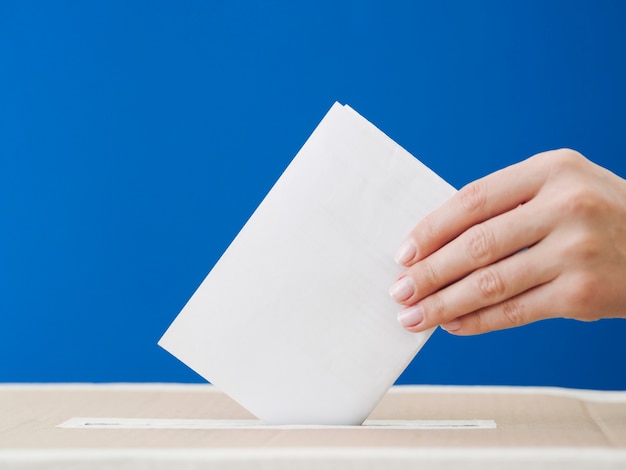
(136, 138)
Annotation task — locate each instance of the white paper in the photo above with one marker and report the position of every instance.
(295, 321)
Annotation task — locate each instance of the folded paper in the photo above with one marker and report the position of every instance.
(295, 321)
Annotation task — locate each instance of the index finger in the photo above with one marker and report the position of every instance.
(480, 200)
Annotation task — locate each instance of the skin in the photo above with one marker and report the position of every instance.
(540, 239)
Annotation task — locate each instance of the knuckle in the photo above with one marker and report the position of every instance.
(480, 243)
(429, 229)
(583, 247)
(490, 284)
(434, 309)
(430, 275)
(513, 312)
(473, 197)
(584, 288)
(564, 159)
(583, 237)
(581, 201)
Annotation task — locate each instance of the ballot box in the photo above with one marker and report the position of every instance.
(195, 426)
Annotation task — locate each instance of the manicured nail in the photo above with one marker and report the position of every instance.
(402, 289)
(411, 316)
(453, 325)
(406, 252)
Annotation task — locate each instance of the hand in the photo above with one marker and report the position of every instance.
(543, 238)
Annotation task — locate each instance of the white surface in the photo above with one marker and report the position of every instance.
(166, 423)
(386, 458)
(600, 396)
(295, 321)
(523, 458)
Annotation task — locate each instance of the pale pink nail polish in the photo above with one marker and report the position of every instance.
(406, 252)
(411, 316)
(402, 289)
(453, 325)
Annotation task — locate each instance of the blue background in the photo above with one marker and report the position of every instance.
(136, 138)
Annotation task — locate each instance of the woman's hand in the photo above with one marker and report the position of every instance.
(543, 238)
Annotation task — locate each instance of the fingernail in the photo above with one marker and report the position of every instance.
(411, 316)
(406, 252)
(402, 289)
(453, 325)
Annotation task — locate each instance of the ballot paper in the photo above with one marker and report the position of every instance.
(295, 321)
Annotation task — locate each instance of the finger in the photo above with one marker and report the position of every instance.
(479, 246)
(478, 201)
(533, 305)
(485, 287)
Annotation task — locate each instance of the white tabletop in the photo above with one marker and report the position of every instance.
(532, 428)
